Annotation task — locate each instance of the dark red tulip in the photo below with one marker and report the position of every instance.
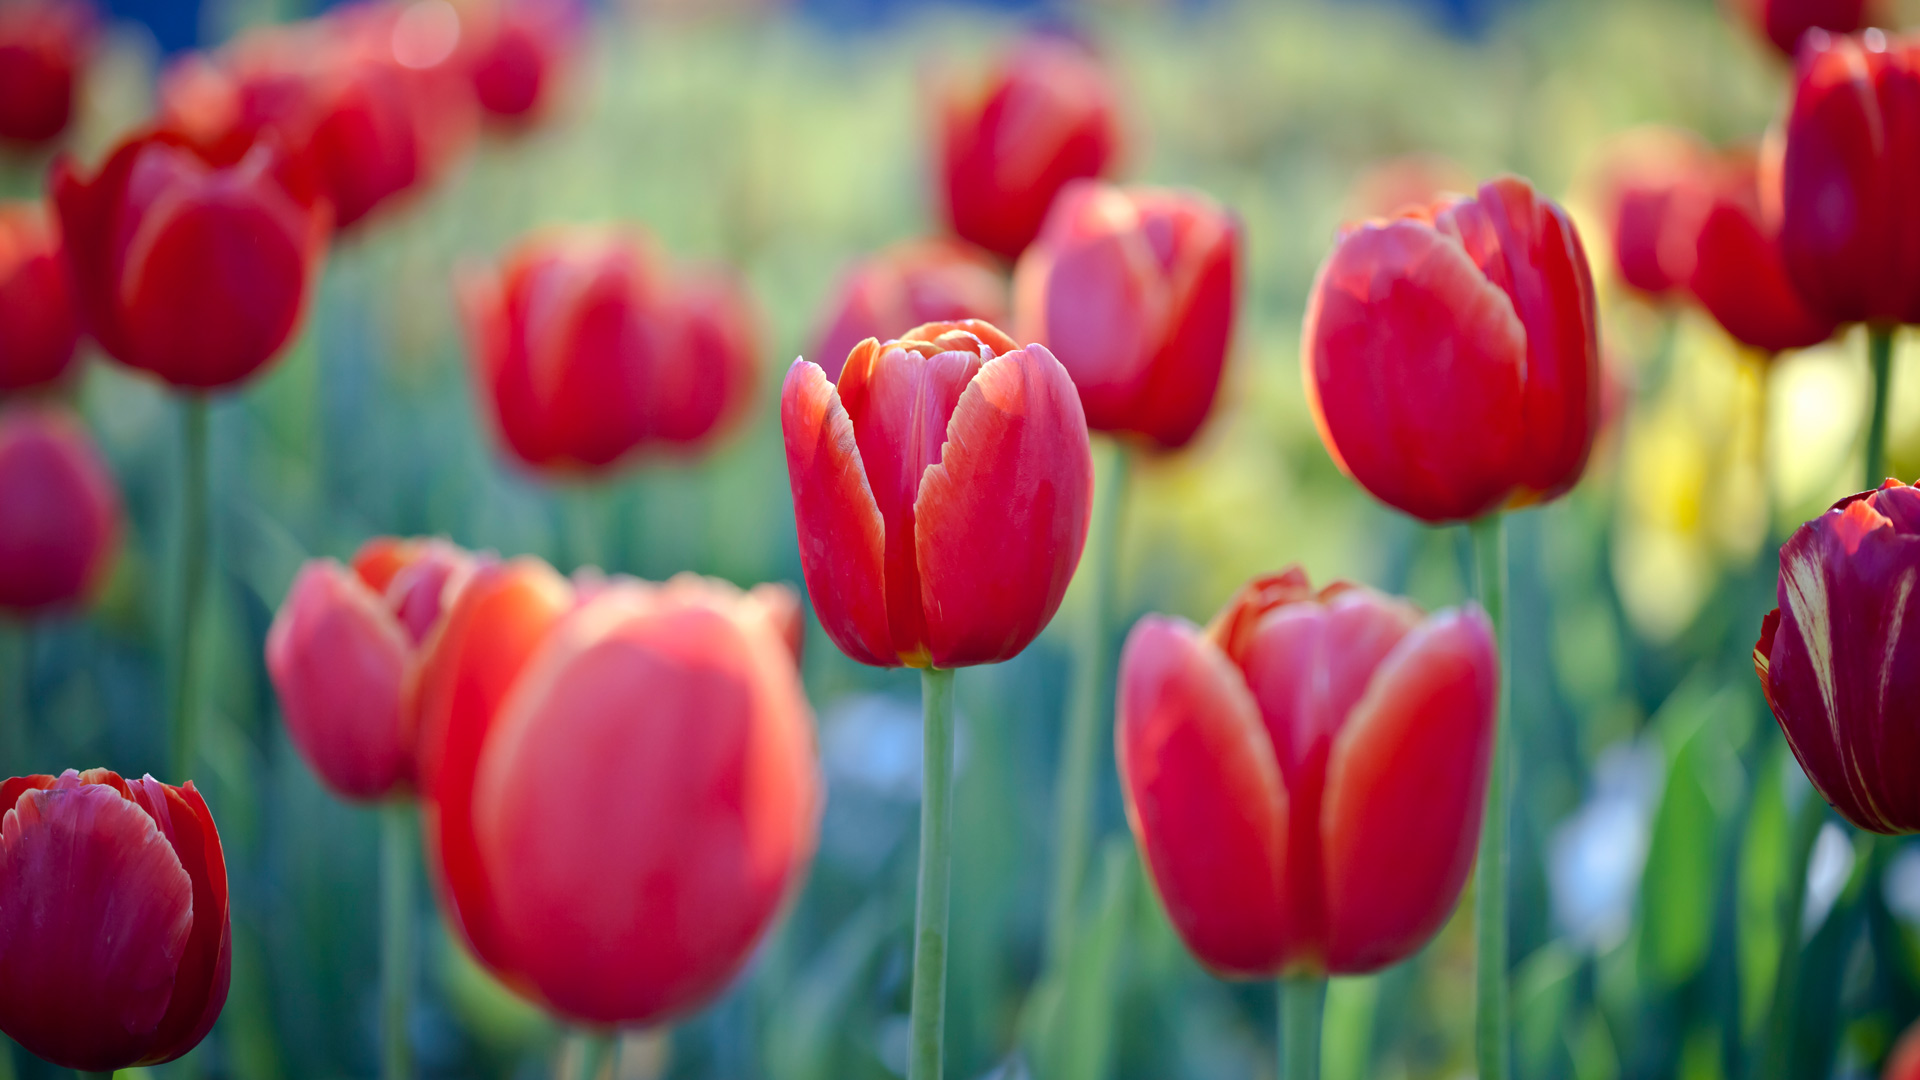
(113, 919)
(523, 47)
(1841, 677)
(941, 489)
(38, 325)
(1451, 354)
(343, 649)
(1785, 22)
(43, 47)
(1045, 116)
(59, 510)
(1305, 776)
(909, 285)
(1655, 186)
(1738, 273)
(1134, 289)
(1851, 178)
(685, 700)
(194, 268)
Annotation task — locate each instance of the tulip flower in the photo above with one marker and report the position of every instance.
(1655, 187)
(519, 57)
(1904, 1062)
(1834, 665)
(713, 364)
(194, 268)
(1738, 274)
(908, 285)
(1451, 354)
(38, 325)
(1784, 22)
(342, 649)
(113, 919)
(43, 47)
(59, 510)
(1046, 116)
(1133, 289)
(688, 693)
(941, 489)
(1305, 776)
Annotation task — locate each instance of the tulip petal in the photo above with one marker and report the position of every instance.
(206, 965)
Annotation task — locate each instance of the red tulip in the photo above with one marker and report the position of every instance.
(941, 489)
(192, 267)
(1045, 116)
(113, 919)
(59, 510)
(519, 58)
(38, 326)
(1840, 676)
(1904, 1062)
(1851, 178)
(713, 363)
(1785, 22)
(908, 285)
(342, 650)
(1738, 274)
(1305, 777)
(1133, 289)
(685, 696)
(43, 47)
(1451, 355)
(1656, 186)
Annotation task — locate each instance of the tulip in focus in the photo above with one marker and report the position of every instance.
(38, 325)
(1305, 777)
(1451, 354)
(668, 719)
(1841, 677)
(907, 285)
(1046, 116)
(1738, 273)
(1133, 289)
(59, 510)
(43, 50)
(113, 919)
(941, 489)
(341, 653)
(192, 267)
(1785, 22)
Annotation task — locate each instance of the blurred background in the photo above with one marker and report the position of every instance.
(789, 140)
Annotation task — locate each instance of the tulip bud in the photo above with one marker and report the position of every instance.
(38, 325)
(941, 490)
(519, 56)
(687, 693)
(1045, 116)
(59, 510)
(1738, 273)
(43, 47)
(908, 285)
(1451, 354)
(194, 268)
(1305, 777)
(1840, 676)
(1785, 22)
(1133, 289)
(113, 919)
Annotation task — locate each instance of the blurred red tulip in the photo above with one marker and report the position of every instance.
(1738, 273)
(1785, 22)
(192, 267)
(908, 285)
(523, 47)
(113, 919)
(1133, 289)
(1842, 680)
(941, 490)
(1904, 1062)
(1451, 354)
(342, 650)
(1851, 178)
(1044, 117)
(38, 325)
(1655, 185)
(688, 694)
(1305, 777)
(59, 510)
(713, 360)
(43, 47)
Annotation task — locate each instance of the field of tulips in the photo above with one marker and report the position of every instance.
(1295, 544)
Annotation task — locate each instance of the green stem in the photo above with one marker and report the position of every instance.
(1880, 359)
(1778, 1033)
(83, 1073)
(16, 643)
(396, 937)
(595, 1052)
(1303, 1005)
(1080, 746)
(928, 1015)
(1493, 1016)
(193, 570)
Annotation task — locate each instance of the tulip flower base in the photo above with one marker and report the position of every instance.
(1493, 1016)
(928, 1016)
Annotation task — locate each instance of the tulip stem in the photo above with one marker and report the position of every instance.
(928, 1016)
(396, 937)
(84, 1073)
(1303, 1007)
(1775, 1063)
(595, 1052)
(1073, 788)
(1490, 873)
(193, 571)
(1880, 359)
